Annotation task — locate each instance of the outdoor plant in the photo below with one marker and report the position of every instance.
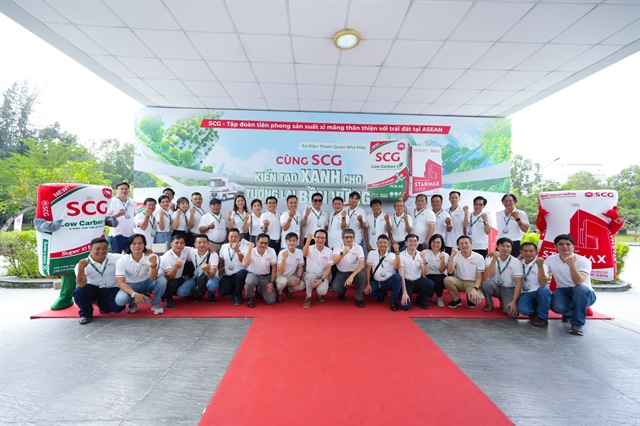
(19, 249)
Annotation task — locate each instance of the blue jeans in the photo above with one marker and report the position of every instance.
(573, 302)
(162, 237)
(147, 286)
(538, 301)
(212, 285)
(104, 297)
(393, 284)
(118, 243)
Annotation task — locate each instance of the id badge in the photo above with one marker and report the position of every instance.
(525, 288)
(373, 232)
(500, 280)
(318, 225)
(128, 216)
(153, 234)
(231, 266)
(470, 231)
(505, 231)
(383, 273)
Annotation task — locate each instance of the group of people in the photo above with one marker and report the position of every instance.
(251, 254)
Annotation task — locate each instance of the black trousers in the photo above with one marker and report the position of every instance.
(232, 284)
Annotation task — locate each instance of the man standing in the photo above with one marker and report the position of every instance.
(261, 263)
(145, 222)
(512, 223)
(356, 217)
(96, 280)
(424, 221)
(270, 225)
(195, 214)
(233, 280)
(443, 219)
(122, 208)
(413, 269)
(290, 266)
(376, 224)
(477, 226)
(573, 294)
(457, 217)
(290, 221)
(214, 224)
(401, 224)
(381, 273)
(337, 223)
(349, 261)
(137, 276)
(319, 262)
(503, 279)
(314, 218)
(465, 274)
(535, 297)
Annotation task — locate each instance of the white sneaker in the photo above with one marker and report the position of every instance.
(157, 309)
(133, 307)
(440, 303)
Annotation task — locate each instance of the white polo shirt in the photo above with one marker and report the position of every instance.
(254, 225)
(275, 229)
(530, 274)
(167, 220)
(294, 260)
(353, 223)
(231, 262)
(238, 220)
(198, 261)
(150, 232)
(457, 217)
(412, 266)
(294, 226)
(169, 258)
(376, 227)
(441, 226)
(385, 270)
(508, 226)
(334, 238)
(421, 220)
(103, 274)
(434, 262)
(261, 265)
(349, 263)
(510, 268)
(182, 226)
(317, 260)
(399, 227)
(467, 268)
(125, 224)
(197, 215)
(132, 271)
(562, 274)
(475, 229)
(317, 219)
(219, 233)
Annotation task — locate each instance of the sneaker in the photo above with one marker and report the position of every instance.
(539, 322)
(85, 320)
(455, 303)
(566, 318)
(157, 309)
(423, 305)
(321, 299)
(169, 302)
(133, 307)
(440, 303)
(237, 301)
(359, 303)
(307, 303)
(576, 329)
(470, 304)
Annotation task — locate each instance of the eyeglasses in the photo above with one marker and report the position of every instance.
(317, 201)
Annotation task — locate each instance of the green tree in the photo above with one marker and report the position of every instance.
(525, 176)
(496, 139)
(53, 132)
(174, 153)
(627, 183)
(151, 125)
(186, 158)
(581, 181)
(15, 118)
(115, 159)
(207, 168)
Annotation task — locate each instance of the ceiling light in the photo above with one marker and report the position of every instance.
(346, 39)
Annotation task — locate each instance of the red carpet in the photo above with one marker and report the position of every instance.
(345, 370)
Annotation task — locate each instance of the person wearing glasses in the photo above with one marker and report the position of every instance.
(260, 261)
(314, 218)
(270, 225)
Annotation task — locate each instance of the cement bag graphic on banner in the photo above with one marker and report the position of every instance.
(580, 214)
(387, 172)
(80, 210)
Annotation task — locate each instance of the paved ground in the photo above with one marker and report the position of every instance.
(164, 371)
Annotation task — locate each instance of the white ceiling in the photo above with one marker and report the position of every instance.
(467, 58)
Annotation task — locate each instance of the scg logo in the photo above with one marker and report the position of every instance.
(598, 194)
(88, 207)
(388, 157)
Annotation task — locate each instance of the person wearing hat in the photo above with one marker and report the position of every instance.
(214, 224)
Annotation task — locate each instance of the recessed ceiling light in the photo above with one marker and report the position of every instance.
(346, 39)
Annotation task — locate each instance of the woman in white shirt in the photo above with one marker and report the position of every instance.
(437, 260)
(254, 219)
(239, 216)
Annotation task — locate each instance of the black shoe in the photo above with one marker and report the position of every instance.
(394, 306)
(258, 295)
(251, 303)
(423, 305)
(380, 298)
(576, 329)
(341, 297)
(288, 294)
(237, 301)
(197, 298)
(104, 311)
(359, 303)
(169, 302)
(455, 303)
(85, 320)
(470, 304)
(539, 322)
(212, 298)
(566, 318)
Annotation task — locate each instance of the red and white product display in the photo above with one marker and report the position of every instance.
(426, 169)
(81, 211)
(581, 215)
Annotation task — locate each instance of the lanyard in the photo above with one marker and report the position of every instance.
(316, 215)
(415, 215)
(231, 254)
(473, 222)
(438, 214)
(166, 214)
(126, 206)
(104, 268)
(500, 271)
(205, 258)
(201, 211)
(352, 212)
(506, 221)
(333, 217)
(398, 222)
(152, 220)
(295, 219)
(375, 221)
(525, 272)
(215, 217)
(240, 216)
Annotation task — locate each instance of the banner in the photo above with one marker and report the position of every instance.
(17, 223)
(580, 214)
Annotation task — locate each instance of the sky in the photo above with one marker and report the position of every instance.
(579, 124)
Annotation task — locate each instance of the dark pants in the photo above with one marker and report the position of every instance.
(104, 297)
(118, 243)
(423, 287)
(172, 287)
(393, 284)
(359, 282)
(438, 281)
(275, 244)
(232, 284)
(515, 249)
(482, 252)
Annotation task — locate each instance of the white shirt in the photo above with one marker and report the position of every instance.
(125, 224)
(238, 221)
(182, 226)
(317, 219)
(254, 225)
(198, 261)
(219, 233)
(376, 227)
(421, 220)
(294, 226)
(353, 223)
(479, 238)
(434, 262)
(132, 271)
(530, 273)
(318, 260)
(441, 226)
(150, 232)
(467, 268)
(349, 263)
(562, 274)
(275, 229)
(167, 220)
(385, 270)
(231, 262)
(103, 274)
(335, 231)
(294, 260)
(510, 268)
(510, 225)
(457, 217)
(169, 258)
(399, 227)
(197, 215)
(412, 266)
(261, 265)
